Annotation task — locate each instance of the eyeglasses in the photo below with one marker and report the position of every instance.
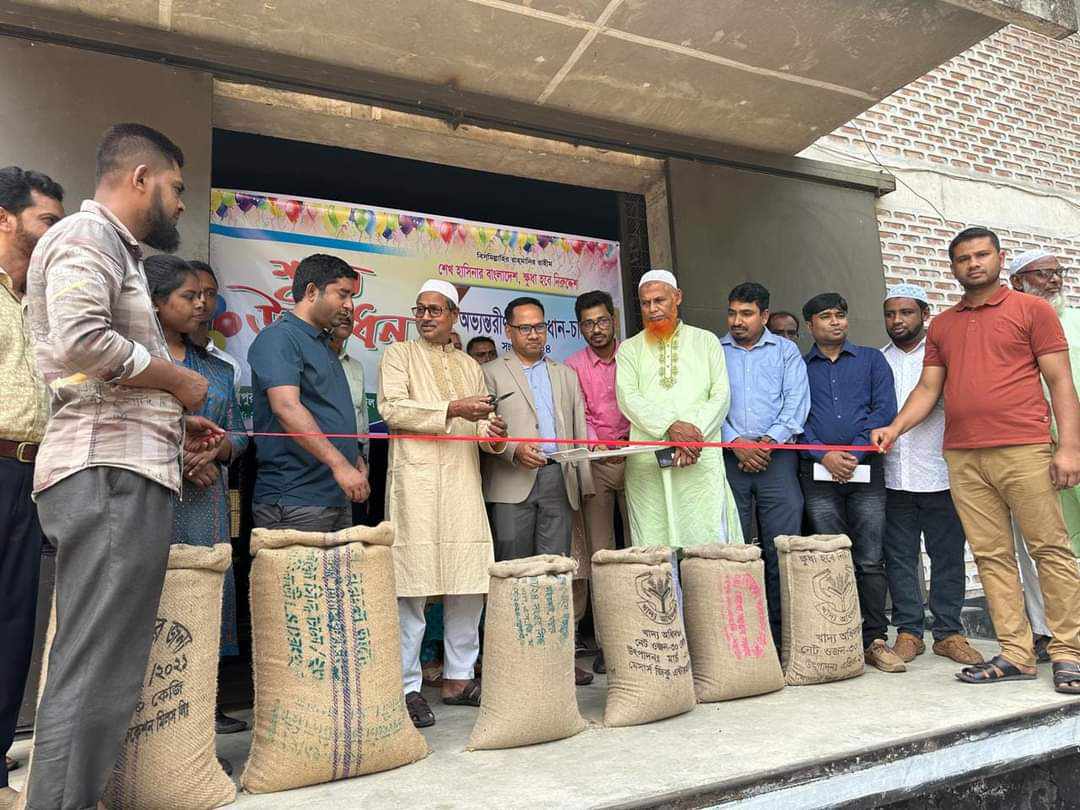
(528, 329)
(599, 323)
(435, 311)
(1046, 275)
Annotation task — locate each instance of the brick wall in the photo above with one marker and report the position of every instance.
(1005, 113)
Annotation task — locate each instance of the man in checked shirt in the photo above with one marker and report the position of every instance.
(110, 456)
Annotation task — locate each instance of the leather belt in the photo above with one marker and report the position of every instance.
(25, 452)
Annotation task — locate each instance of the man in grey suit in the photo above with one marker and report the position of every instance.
(534, 497)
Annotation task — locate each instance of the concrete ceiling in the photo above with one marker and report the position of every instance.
(771, 75)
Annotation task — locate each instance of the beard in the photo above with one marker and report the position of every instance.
(662, 329)
(162, 233)
(24, 241)
(1056, 300)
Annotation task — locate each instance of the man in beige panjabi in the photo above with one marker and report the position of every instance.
(434, 497)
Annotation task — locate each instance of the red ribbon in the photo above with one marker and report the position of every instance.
(850, 448)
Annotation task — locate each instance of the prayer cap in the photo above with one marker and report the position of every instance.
(664, 276)
(906, 291)
(1018, 263)
(441, 287)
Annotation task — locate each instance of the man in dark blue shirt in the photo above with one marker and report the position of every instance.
(851, 393)
(308, 481)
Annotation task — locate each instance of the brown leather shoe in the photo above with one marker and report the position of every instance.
(582, 677)
(881, 655)
(908, 645)
(958, 649)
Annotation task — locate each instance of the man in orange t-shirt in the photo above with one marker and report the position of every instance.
(986, 354)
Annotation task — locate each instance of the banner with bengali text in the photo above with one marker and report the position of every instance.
(257, 240)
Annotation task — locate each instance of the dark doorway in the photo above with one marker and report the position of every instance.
(276, 165)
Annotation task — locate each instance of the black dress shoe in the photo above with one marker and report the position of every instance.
(598, 665)
(223, 724)
(225, 765)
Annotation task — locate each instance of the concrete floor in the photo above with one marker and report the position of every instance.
(715, 743)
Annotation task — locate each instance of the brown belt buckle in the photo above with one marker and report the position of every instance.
(19, 452)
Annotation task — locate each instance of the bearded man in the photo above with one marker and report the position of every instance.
(671, 383)
(1039, 273)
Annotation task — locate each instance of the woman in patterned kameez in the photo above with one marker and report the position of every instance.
(201, 515)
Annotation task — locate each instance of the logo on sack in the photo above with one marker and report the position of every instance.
(836, 595)
(657, 594)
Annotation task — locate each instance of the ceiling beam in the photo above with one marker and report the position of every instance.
(455, 106)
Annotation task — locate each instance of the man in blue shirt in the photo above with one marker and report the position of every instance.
(851, 393)
(770, 399)
(307, 481)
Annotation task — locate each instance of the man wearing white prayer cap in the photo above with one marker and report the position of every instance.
(918, 502)
(1039, 272)
(434, 498)
(671, 383)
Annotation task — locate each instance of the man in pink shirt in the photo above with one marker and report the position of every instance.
(595, 367)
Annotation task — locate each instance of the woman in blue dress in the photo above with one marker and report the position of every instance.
(201, 513)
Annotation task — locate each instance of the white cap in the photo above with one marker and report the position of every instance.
(663, 276)
(906, 291)
(1018, 263)
(444, 288)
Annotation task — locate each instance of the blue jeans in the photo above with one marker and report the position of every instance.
(857, 510)
(911, 515)
(774, 496)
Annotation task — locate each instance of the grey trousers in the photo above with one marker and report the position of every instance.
(301, 518)
(540, 524)
(111, 528)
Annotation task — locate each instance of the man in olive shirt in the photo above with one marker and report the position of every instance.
(30, 203)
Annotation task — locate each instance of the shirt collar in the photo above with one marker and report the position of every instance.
(435, 347)
(814, 353)
(995, 299)
(892, 347)
(304, 326)
(767, 338)
(531, 366)
(94, 207)
(597, 359)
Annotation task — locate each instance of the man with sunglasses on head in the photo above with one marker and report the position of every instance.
(442, 544)
(1039, 273)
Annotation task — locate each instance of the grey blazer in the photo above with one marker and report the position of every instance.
(504, 480)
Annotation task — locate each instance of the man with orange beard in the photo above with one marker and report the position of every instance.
(671, 383)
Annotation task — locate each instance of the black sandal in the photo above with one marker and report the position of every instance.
(1067, 677)
(469, 696)
(992, 671)
(419, 712)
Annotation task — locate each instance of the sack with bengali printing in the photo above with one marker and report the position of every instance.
(639, 626)
(822, 624)
(529, 694)
(327, 658)
(727, 623)
(168, 757)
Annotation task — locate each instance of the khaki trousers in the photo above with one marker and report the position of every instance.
(986, 484)
(598, 512)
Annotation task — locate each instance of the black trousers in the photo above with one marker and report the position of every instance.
(20, 565)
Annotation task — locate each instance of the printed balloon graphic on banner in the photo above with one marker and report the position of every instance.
(257, 240)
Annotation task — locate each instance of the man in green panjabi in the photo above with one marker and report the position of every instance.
(672, 384)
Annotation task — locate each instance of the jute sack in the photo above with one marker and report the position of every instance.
(529, 694)
(327, 657)
(640, 629)
(822, 624)
(168, 758)
(727, 623)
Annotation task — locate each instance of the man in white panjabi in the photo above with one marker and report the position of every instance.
(434, 497)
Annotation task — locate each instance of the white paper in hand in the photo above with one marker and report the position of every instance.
(860, 476)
